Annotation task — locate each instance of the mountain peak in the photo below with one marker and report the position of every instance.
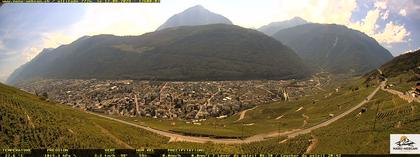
(195, 15)
(297, 18)
(197, 7)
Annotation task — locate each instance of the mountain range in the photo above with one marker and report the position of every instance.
(334, 48)
(206, 52)
(197, 44)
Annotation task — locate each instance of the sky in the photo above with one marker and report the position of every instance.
(26, 29)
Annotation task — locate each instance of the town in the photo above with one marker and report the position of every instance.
(168, 100)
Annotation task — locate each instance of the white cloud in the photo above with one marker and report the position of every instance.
(2, 46)
(30, 53)
(368, 24)
(381, 4)
(385, 15)
(403, 7)
(391, 33)
(328, 11)
(403, 12)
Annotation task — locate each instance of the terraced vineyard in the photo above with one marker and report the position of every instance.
(368, 132)
(27, 121)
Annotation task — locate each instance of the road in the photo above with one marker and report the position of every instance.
(255, 138)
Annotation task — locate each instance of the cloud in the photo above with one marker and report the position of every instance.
(328, 11)
(385, 15)
(403, 7)
(403, 12)
(368, 24)
(55, 39)
(390, 34)
(2, 46)
(381, 4)
(117, 19)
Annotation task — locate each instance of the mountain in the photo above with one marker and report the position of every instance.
(403, 71)
(334, 48)
(401, 64)
(196, 15)
(274, 27)
(28, 121)
(207, 52)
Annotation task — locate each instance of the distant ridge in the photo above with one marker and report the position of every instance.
(274, 27)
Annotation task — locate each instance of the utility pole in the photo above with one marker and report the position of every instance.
(278, 131)
(374, 122)
(242, 132)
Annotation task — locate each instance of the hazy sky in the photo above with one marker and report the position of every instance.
(25, 29)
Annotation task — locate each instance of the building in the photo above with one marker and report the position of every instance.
(417, 90)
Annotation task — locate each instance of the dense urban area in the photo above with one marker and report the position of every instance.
(158, 99)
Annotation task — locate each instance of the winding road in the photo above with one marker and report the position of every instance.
(255, 138)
